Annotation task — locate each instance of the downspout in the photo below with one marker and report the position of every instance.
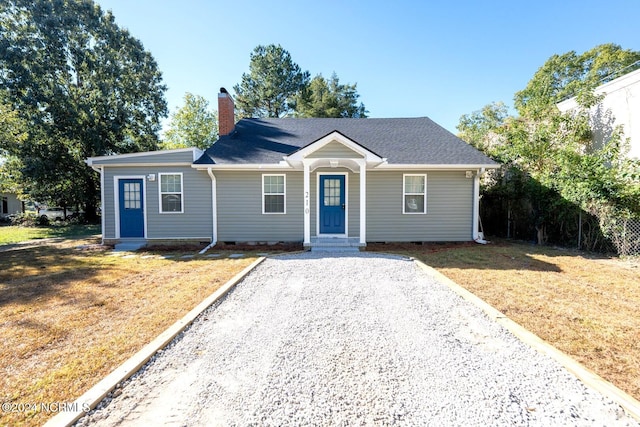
(214, 217)
(476, 207)
(100, 170)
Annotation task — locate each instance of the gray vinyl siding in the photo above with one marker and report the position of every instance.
(449, 208)
(239, 206)
(353, 210)
(155, 157)
(110, 194)
(334, 150)
(196, 221)
(240, 217)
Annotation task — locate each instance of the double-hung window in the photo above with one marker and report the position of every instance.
(273, 194)
(414, 196)
(171, 200)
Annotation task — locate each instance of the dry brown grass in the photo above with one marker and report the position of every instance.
(68, 317)
(587, 306)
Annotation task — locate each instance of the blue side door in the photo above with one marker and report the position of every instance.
(332, 204)
(131, 208)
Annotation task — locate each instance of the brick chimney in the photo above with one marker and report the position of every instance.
(226, 116)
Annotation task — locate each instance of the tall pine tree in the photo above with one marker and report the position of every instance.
(271, 85)
(329, 98)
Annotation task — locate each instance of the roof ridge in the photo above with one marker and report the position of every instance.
(336, 118)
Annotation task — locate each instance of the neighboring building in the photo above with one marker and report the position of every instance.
(298, 180)
(10, 204)
(620, 106)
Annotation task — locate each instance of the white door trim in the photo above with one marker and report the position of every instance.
(346, 202)
(116, 201)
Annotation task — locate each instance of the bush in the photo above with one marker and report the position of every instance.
(42, 220)
(24, 219)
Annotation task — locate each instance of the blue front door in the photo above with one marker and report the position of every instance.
(131, 208)
(332, 204)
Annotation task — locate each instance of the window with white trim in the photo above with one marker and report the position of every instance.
(273, 194)
(171, 200)
(414, 195)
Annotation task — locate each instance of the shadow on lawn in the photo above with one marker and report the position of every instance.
(40, 272)
(45, 271)
(497, 255)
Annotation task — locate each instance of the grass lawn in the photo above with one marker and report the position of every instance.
(587, 306)
(15, 234)
(70, 315)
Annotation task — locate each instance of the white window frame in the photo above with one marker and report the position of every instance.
(405, 194)
(284, 194)
(161, 193)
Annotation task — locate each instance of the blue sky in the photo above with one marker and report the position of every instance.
(409, 58)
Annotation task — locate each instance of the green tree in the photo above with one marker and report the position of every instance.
(271, 85)
(85, 86)
(192, 125)
(482, 128)
(329, 98)
(550, 154)
(13, 131)
(570, 74)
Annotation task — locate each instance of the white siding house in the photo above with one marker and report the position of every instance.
(10, 204)
(620, 106)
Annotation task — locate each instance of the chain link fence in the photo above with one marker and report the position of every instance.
(568, 226)
(625, 235)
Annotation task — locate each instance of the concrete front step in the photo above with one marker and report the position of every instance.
(335, 244)
(129, 246)
(334, 249)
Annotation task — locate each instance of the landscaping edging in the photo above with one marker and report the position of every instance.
(93, 396)
(588, 377)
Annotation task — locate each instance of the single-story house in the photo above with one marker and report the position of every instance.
(298, 180)
(10, 204)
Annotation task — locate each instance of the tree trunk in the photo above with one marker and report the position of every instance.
(540, 233)
(90, 203)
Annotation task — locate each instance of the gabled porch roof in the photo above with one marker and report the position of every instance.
(333, 150)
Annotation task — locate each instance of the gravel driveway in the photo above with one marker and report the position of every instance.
(357, 339)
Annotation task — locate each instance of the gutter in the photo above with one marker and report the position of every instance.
(448, 167)
(214, 216)
(384, 165)
(476, 207)
(244, 166)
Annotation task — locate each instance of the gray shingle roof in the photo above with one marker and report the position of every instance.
(401, 141)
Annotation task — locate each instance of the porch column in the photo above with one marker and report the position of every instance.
(307, 204)
(363, 202)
